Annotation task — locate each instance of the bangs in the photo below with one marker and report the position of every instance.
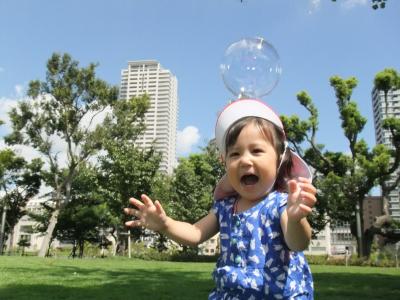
(271, 133)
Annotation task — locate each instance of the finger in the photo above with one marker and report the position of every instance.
(132, 212)
(159, 208)
(134, 223)
(306, 210)
(304, 179)
(308, 187)
(136, 202)
(147, 201)
(308, 198)
(294, 191)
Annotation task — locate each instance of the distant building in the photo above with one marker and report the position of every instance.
(321, 244)
(337, 238)
(372, 208)
(342, 239)
(334, 239)
(210, 247)
(161, 119)
(383, 136)
(24, 230)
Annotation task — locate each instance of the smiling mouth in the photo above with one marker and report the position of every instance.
(249, 179)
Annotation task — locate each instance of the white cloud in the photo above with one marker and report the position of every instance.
(27, 152)
(59, 146)
(19, 90)
(5, 106)
(349, 4)
(92, 119)
(314, 6)
(187, 138)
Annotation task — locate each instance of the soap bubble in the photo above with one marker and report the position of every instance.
(250, 68)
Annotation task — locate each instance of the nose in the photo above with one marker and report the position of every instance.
(245, 159)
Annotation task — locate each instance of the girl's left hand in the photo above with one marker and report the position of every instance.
(301, 198)
(223, 189)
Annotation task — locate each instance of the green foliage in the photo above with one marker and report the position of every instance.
(385, 260)
(126, 169)
(64, 105)
(343, 179)
(194, 181)
(23, 243)
(84, 218)
(19, 182)
(58, 107)
(386, 80)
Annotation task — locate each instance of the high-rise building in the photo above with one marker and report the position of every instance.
(383, 136)
(161, 119)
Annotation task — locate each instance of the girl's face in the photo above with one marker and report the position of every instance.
(251, 164)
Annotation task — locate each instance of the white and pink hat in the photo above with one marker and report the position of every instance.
(242, 108)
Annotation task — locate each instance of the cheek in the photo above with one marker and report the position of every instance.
(229, 168)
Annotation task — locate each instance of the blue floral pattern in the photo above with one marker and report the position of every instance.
(255, 262)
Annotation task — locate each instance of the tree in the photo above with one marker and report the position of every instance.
(127, 170)
(62, 106)
(343, 179)
(19, 182)
(23, 243)
(387, 81)
(85, 217)
(193, 183)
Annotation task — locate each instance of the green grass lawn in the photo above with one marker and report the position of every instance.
(34, 278)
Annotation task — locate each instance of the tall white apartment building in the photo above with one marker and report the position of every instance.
(383, 136)
(161, 119)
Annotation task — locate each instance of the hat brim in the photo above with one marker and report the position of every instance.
(243, 108)
(240, 109)
(299, 167)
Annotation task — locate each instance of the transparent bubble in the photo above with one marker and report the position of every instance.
(250, 68)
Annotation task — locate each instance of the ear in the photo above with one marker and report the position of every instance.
(222, 160)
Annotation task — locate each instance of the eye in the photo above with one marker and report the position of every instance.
(258, 150)
(233, 154)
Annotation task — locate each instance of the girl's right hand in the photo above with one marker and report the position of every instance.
(150, 215)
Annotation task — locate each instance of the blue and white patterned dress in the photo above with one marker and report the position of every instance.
(255, 262)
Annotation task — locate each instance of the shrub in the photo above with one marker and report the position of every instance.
(352, 261)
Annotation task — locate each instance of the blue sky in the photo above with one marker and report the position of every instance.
(315, 40)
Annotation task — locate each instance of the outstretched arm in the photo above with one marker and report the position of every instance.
(152, 216)
(295, 227)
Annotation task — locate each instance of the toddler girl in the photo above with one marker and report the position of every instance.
(263, 225)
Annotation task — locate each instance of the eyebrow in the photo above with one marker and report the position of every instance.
(254, 144)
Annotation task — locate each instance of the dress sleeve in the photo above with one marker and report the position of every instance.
(282, 203)
(215, 209)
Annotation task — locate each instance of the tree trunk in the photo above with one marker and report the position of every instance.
(47, 237)
(11, 241)
(385, 199)
(81, 244)
(359, 230)
(73, 252)
(2, 229)
(116, 241)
